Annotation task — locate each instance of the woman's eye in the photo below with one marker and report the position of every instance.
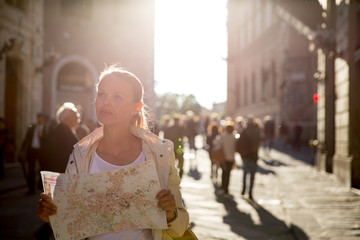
(118, 97)
(101, 94)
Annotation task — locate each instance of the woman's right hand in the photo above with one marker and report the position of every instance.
(45, 207)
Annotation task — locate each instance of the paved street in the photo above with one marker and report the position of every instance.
(292, 201)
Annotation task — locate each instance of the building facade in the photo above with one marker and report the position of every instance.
(332, 28)
(269, 66)
(21, 53)
(82, 37)
(52, 51)
(338, 83)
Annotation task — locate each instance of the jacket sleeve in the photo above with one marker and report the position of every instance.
(178, 226)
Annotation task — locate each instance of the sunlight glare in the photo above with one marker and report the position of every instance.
(190, 48)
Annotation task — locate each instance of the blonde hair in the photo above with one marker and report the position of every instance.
(139, 119)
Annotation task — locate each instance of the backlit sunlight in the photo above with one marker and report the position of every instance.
(191, 48)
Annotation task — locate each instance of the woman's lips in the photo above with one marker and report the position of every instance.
(105, 112)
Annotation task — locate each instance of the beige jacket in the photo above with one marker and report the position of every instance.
(153, 147)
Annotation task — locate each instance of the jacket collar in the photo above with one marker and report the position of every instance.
(87, 145)
(141, 133)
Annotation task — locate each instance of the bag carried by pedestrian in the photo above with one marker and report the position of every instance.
(217, 154)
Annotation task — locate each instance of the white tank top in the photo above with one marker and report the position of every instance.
(100, 165)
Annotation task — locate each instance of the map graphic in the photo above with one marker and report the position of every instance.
(90, 204)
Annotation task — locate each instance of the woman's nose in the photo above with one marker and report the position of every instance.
(107, 100)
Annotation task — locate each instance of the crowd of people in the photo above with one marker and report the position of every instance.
(243, 136)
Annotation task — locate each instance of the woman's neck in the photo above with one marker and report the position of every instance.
(117, 137)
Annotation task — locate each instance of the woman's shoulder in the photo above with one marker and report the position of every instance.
(162, 143)
(87, 142)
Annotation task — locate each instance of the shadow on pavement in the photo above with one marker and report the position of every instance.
(269, 226)
(260, 170)
(194, 173)
(304, 154)
(273, 162)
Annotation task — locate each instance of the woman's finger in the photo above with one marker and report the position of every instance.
(45, 197)
(162, 193)
(164, 202)
(165, 198)
(168, 206)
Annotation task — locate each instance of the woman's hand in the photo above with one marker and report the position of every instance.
(45, 208)
(167, 203)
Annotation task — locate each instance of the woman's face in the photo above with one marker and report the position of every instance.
(114, 102)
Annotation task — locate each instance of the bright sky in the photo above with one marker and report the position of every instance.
(190, 48)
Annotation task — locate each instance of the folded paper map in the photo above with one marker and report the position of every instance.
(90, 204)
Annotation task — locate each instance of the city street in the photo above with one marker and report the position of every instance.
(291, 201)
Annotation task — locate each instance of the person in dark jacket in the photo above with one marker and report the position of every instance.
(248, 145)
(269, 132)
(30, 152)
(176, 133)
(191, 128)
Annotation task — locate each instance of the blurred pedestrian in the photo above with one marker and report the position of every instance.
(49, 126)
(62, 139)
(122, 141)
(191, 128)
(269, 133)
(296, 145)
(30, 152)
(214, 131)
(228, 145)
(204, 123)
(247, 145)
(91, 125)
(240, 125)
(176, 133)
(284, 131)
(166, 123)
(82, 131)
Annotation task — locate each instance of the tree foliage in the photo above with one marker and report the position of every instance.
(171, 103)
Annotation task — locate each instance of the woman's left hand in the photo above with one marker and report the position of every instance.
(167, 203)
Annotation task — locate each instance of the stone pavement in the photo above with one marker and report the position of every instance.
(17, 210)
(292, 201)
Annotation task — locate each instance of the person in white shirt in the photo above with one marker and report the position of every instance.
(228, 144)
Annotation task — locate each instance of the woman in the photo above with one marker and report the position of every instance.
(228, 144)
(124, 140)
(214, 130)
